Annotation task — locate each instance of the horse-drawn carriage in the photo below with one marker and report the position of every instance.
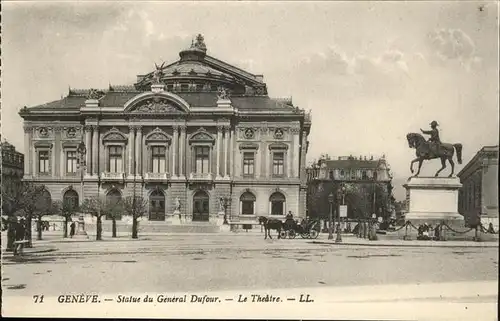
(290, 228)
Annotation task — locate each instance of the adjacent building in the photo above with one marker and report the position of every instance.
(478, 197)
(183, 136)
(367, 182)
(12, 167)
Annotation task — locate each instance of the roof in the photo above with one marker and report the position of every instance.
(195, 99)
(353, 164)
(485, 151)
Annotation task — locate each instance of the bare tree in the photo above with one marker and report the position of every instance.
(135, 207)
(65, 209)
(96, 207)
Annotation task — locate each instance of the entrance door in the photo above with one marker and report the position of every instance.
(201, 206)
(157, 206)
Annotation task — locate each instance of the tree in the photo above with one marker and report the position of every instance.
(65, 209)
(96, 207)
(44, 206)
(23, 199)
(114, 210)
(135, 207)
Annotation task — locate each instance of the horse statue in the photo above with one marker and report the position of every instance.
(270, 224)
(427, 150)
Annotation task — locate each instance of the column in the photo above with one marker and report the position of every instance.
(95, 151)
(217, 153)
(88, 147)
(226, 151)
(27, 147)
(296, 152)
(53, 155)
(288, 155)
(231, 154)
(267, 156)
(138, 152)
(131, 134)
(33, 154)
(182, 151)
(62, 169)
(303, 155)
(174, 150)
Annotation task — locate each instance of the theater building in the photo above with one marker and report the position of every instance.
(478, 196)
(183, 136)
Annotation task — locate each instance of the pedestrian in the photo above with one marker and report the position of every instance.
(20, 231)
(72, 229)
(491, 230)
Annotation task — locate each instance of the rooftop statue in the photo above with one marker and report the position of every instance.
(94, 94)
(222, 93)
(199, 43)
(158, 73)
(433, 148)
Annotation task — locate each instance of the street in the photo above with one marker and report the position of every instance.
(230, 262)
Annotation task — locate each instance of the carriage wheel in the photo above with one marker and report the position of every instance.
(292, 234)
(304, 235)
(283, 234)
(313, 234)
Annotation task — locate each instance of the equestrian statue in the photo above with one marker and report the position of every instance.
(433, 148)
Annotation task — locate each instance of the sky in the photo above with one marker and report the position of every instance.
(370, 72)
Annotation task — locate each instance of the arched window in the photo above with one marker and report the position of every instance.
(70, 199)
(157, 206)
(44, 201)
(247, 203)
(277, 201)
(113, 200)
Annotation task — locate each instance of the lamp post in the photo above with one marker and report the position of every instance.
(225, 201)
(331, 198)
(82, 151)
(340, 197)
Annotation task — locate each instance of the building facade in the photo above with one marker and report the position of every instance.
(183, 136)
(12, 169)
(367, 182)
(478, 197)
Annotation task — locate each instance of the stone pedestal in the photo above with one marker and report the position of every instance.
(434, 200)
(176, 218)
(220, 219)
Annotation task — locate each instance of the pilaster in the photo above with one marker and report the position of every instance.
(88, 147)
(218, 151)
(28, 130)
(138, 151)
(231, 154)
(174, 150)
(131, 139)
(95, 151)
(57, 153)
(182, 151)
(226, 151)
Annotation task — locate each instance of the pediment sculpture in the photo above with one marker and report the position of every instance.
(157, 135)
(156, 105)
(114, 134)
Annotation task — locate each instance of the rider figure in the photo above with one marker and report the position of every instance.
(434, 136)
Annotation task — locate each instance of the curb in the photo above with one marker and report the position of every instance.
(30, 252)
(407, 245)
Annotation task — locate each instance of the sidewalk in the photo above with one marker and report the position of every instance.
(353, 240)
(36, 249)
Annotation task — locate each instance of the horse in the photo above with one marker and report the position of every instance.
(424, 151)
(270, 224)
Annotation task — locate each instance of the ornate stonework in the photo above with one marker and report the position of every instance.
(71, 132)
(156, 105)
(279, 133)
(202, 135)
(114, 134)
(157, 135)
(249, 133)
(222, 93)
(94, 94)
(43, 132)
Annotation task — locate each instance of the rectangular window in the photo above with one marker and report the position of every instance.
(278, 163)
(158, 159)
(248, 164)
(71, 162)
(364, 175)
(43, 161)
(201, 159)
(184, 87)
(115, 159)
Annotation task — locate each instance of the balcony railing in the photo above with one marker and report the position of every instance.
(155, 177)
(109, 176)
(201, 177)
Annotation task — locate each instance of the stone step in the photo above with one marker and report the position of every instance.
(151, 227)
